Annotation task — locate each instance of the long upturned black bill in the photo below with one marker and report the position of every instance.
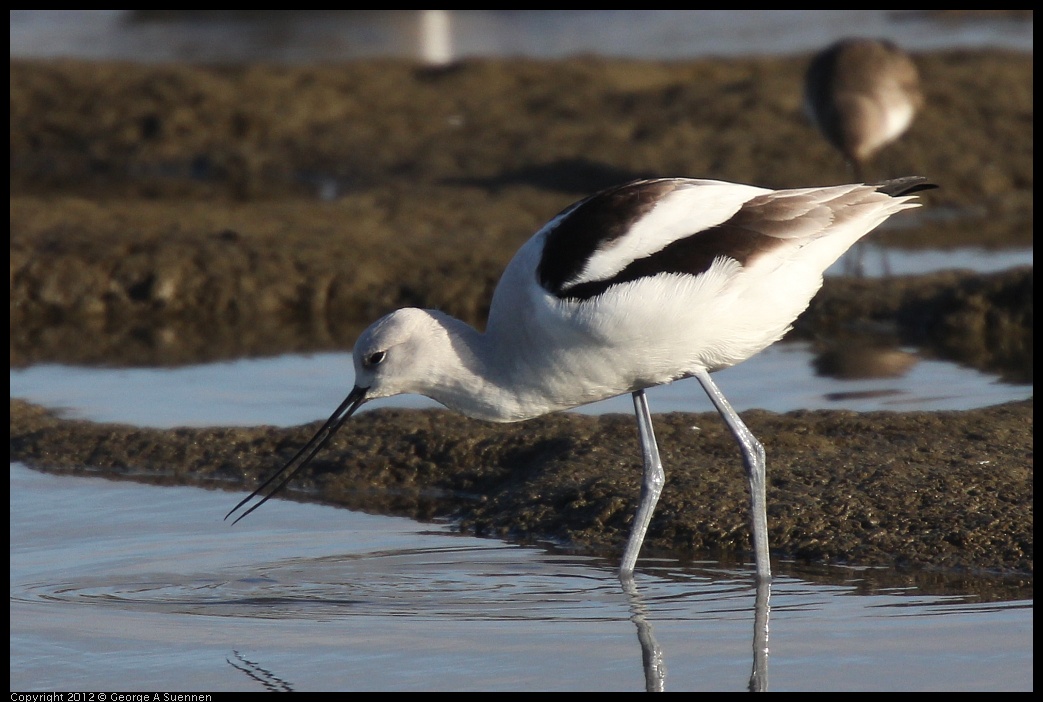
(308, 451)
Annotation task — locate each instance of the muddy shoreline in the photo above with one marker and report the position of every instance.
(180, 214)
(877, 488)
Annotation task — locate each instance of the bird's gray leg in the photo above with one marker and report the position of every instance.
(756, 473)
(651, 486)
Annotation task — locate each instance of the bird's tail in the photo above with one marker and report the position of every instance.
(903, 186)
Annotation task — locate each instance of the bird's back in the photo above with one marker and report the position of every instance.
(703, 275)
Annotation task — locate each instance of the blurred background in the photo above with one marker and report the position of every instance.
(440, 35)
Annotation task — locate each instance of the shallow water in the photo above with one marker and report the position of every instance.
(123, 586)
(879, 261)
(295, 389)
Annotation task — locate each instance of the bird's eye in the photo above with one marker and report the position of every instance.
(376, 358)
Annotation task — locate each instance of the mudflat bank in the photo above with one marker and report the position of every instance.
(922, 490)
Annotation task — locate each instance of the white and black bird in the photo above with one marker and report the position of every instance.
(862, 94)
(635, 286)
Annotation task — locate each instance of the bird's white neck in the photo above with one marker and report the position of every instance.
(466, 372)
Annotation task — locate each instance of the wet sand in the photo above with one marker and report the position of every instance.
(177, 214)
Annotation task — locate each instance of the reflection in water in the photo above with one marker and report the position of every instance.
(652, 658)
(855, 359)
(864, 357)
(652, 653)
(270, 681)
(759, 674)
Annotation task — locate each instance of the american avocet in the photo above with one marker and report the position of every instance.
(862, 94)
(635, 286)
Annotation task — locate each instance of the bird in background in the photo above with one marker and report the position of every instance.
(862, 94)
(639, 285)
